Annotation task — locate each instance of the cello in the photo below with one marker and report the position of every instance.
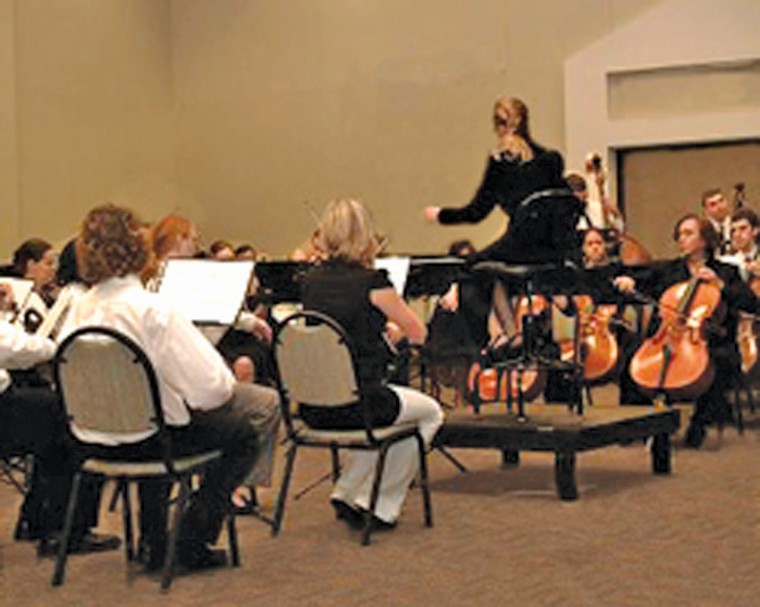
(630, 250)
(675, 360)
(596, 346)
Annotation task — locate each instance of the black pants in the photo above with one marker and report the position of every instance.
(236, 343)
(31, 421)
(712, 406)
(225, 428)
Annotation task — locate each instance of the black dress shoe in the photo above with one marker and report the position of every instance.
(695, 435)
(25, 532)
(151, 554)
(347, 513)
(82, 544)
(200, 557)
(97, 542)
(376, 524)
(379, 524)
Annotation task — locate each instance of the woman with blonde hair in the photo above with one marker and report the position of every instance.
(362, 300)
(526, 181)
(520, 177)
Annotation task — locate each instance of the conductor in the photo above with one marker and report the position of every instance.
(525, 180)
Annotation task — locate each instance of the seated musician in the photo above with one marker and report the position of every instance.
(246, 251)
(745, 228)
(596, 257)
(203, 405)
(697, 240)
(32, 422)
(245, 347)
(221, 250)
(36, 260)
(363, 301)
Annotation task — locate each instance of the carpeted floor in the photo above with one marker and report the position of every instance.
(501, 537)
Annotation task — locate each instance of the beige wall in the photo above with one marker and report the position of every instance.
(661, 185)
(238, 111)
(92, 112)
(9, 201)
(388, 101)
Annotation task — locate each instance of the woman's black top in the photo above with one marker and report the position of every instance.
(540, 229)
(341, 290)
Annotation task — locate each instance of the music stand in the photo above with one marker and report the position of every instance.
(279, 281)
(529, 281)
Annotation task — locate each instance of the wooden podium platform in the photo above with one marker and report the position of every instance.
(554, 428)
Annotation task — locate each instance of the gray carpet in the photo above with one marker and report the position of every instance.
(501, 537)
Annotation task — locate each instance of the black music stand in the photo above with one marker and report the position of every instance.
(530, 280)
(279, 282)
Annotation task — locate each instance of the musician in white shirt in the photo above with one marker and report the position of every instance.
(745, 228)
(717, 212)
(203, 405)
(31, 422)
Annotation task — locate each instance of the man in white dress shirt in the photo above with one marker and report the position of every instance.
(745, 228)
(717, 212)
(203, 405)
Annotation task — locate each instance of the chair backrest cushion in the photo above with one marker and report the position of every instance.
(106, 384)
(315, 362)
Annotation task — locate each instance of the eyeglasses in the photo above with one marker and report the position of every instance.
(499, 122)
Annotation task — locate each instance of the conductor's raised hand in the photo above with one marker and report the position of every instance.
(431, 214)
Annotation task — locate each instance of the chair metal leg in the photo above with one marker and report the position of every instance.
(313, 485)
(63, 547)
(750, 398)
(738, 413)
(335, 463)
(382, 452)
(447, 454)
(126, 515)
(424, 484)
(114, 497)
(290, 458)
(171, 549)
(232, 538)
(9, 469)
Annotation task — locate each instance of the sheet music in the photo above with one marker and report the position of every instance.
(207, 291)
(398, 270)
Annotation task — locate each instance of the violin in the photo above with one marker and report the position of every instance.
(675, 360)
(595, 345)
